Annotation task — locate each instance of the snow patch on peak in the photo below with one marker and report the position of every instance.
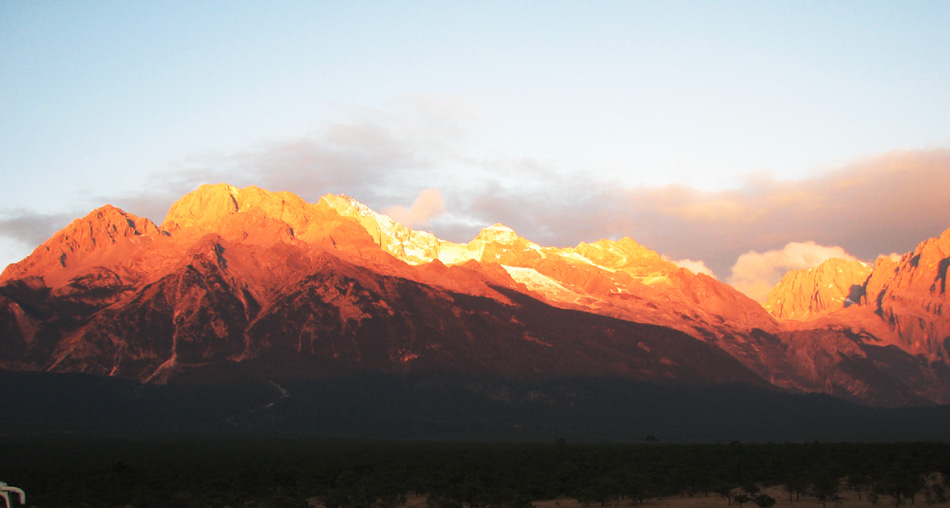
(412, 247)
(457, 253)
(499, 227)
(580, 258)
(498, 233)
(654, 279)
(346, 205)
(540, 283)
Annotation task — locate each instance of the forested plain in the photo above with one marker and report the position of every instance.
(217, 472)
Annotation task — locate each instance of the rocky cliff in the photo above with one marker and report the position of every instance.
(900, 301)
(809, 293)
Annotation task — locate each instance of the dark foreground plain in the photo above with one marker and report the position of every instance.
(61, 471)
(451, 408)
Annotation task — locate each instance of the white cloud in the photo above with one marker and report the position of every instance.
(696, 267)
(21, 231)
(427, 205)
(756, 273)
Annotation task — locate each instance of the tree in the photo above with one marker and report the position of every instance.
(795, 485)
(900, 484)
(858, 482)
(764, 501)
(936, 494)
(826, 489)
(605, 488)
(725, 491)
(742, 498)
(636, 486)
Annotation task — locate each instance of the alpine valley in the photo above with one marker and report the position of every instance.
(254, 311)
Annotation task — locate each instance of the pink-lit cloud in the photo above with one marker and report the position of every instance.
(755, 273)
(882, 204)
(427, 205)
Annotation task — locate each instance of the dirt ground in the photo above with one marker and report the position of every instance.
(849, 499)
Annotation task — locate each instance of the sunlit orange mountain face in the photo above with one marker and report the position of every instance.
(239, 283)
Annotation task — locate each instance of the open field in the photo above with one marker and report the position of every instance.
(206, 472)
(849, 499)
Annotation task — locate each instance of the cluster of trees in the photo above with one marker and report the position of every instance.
(335, 474)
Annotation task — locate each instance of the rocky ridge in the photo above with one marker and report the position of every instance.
(247, 280)
(901, 302)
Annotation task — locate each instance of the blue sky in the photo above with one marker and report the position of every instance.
(569, 121)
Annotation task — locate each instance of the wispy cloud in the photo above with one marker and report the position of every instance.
(30, 229)
(882, 204)
(377, 156)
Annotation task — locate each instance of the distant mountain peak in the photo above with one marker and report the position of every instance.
(498, 232)
(208, 205)
(94, 233)
(812, 292)
(625, 252)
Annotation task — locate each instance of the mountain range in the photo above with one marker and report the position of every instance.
(247, 284)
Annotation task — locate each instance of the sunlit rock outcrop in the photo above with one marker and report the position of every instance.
(813, 292)
(911, 296)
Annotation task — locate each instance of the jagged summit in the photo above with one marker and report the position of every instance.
(348, 205)
(210, 204)
(82, 242)
(810, 293)
(498, 233)
(248, 280)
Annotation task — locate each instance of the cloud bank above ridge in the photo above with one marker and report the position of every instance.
(424, 166)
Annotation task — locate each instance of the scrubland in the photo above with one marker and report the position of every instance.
(68, 471)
